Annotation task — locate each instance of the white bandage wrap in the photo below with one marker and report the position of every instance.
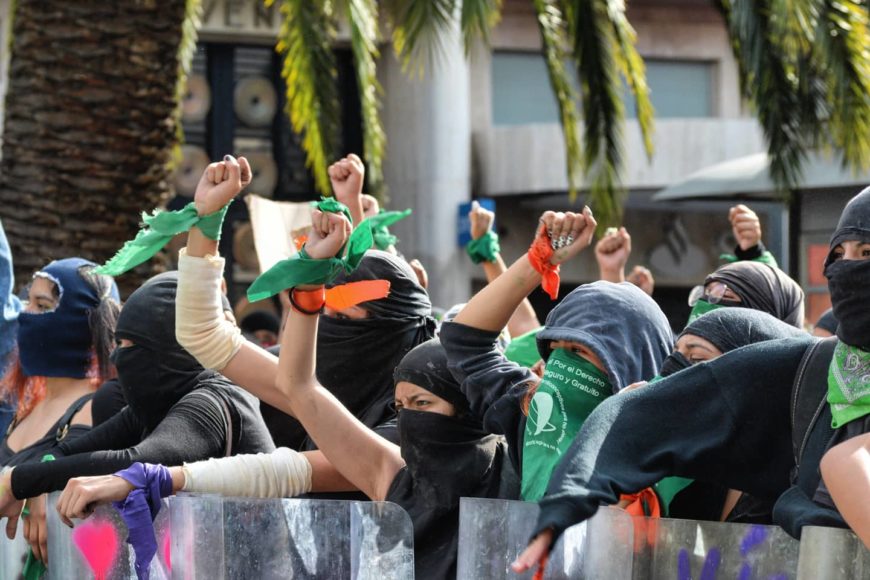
(282, 473)
(200, 325)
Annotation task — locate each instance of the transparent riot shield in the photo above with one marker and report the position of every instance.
(493, 532)
(686, 549)
(97, 547)
(13, 554)
(228, 538)
(832, 553)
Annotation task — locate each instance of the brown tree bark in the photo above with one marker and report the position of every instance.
(90, 126)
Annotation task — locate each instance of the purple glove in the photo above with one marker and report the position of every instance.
(151, 483)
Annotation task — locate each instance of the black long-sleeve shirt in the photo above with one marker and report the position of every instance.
(195, 428)
(726, 421)
(494, 386)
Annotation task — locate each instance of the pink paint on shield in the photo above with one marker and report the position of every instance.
(98, 542)
(167, 551)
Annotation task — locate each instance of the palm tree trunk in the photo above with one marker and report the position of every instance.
(90, 125)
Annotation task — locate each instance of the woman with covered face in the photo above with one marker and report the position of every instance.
(599, 339)
(176, 410)
(747, 419)
(443, 452)
(65, 334)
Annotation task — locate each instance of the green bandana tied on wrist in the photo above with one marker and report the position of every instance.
(848, 384)
(301, 269)
(158, 228)
(484, 249)
(383, 239)
(571, 388)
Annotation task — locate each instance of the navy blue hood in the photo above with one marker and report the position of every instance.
(620, 323)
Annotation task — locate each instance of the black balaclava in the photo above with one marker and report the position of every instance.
(765, 288)
(356, 358)
(849, 280)
(728, 329)
(446, 458)
(260, 320)
(156, 372)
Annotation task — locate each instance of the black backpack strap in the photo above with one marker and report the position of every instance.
(65, 421)
(809, 392)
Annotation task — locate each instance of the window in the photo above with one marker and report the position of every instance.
(521, 92)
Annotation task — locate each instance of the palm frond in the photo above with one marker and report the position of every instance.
(552, 26)
(633, 69)
(418, 29)
(305, 41)
(186, 50)
(842, 51)
(603, 109)
(770, 81)
(363, 19)
(478, 18)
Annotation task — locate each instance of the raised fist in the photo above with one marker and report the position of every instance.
(481, 220)
(220, 183)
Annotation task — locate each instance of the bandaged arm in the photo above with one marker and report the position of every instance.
(281, 473)
(200, 325)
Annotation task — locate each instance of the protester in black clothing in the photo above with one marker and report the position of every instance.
(601, 338)
(377, 332)
(747, 419)
(176, 410)
(443, 452)
(705, 339)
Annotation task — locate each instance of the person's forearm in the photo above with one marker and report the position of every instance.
(365, 459)
(615, 275)
(177, 474)
(492, 308)
(524, 318)
(846, 471)
(200, 246)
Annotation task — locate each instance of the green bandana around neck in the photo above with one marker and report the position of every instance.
(301, 269)
(848, 384)
(700, 308)
(571, 388)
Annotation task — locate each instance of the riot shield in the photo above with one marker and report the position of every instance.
(832, 553)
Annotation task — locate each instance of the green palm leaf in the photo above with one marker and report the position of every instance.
(633, 69)
(842, 51)
(305, 41)
(363, 18)
(552, 26)
(418, 28)
(770, 81)
(477, 19)
(603, 110)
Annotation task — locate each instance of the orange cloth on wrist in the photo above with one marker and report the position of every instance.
(539, 254)
(308, 301)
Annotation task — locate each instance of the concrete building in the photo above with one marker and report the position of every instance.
(486, 125)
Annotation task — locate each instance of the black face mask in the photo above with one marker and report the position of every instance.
(153, 382)
(674, 363)
(450, 454)
(849, 284)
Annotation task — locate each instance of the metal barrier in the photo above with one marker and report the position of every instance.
(613, 545)
(493, 532)
(97, 547)
(832, 553)
(686, 549)
(215, 538)
(13, 554)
